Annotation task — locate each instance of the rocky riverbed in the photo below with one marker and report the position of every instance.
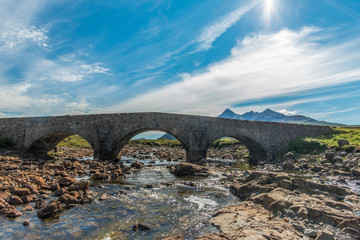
(297, 197)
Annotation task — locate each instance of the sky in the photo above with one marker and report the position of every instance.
(180, 56)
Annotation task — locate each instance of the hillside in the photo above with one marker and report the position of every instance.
(271, 116)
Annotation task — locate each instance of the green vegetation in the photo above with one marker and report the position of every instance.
(5, 143)
(157, 142)
(74, 141)
(320, 143)
(226, 141)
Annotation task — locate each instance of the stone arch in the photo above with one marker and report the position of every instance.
(125, 139)
(256, 151)
(41, 146)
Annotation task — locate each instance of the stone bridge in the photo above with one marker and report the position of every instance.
(109, 133)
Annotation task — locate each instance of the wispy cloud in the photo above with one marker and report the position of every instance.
(215, 30)
(261, 66)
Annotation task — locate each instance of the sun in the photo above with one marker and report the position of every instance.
(269, 9)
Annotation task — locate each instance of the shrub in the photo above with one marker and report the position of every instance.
(5, 142)
(307, 146)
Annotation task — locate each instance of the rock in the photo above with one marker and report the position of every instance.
(13, 213)
(41, 203)
(177, 237)
(141, 227)
(149, 186)
(251, 221)
(27, 199)
(60, 191)
(288, 165)
(103, 197)
(27, 208)
(67, 199)
(355, 171)
(342, 142)
(329, 155)
(83, 185)
(66, 181)
(137, 165)
(14, 200)
(50, 210)
(37, 180)
(310, 233)
(54, 187)
(188, 169)
(100, 176)
(288, 156)
(325, 235)
(22, 192)
(26, 223)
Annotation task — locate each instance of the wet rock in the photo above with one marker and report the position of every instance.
(13, 213)
(27, 208)
(188, 169)
(355, 171)
(67, 199)
(50, 210)
(141, 227)
(101, 176)
(41, 203)
(27, 199)
(103, 197)
(22, 192)
(26, 223)
(137, 165)
(66, 181)
(83, 185)
(14, 200)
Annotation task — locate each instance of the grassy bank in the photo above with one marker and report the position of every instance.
(320, 143)
(74, 141)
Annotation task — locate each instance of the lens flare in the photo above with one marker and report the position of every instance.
(269, 9)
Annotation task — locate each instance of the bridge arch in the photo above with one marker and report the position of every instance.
(256, 151)
(42, 145)
(127, 137)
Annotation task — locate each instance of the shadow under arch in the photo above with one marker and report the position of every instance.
(47, 142)
(125, 140)
(256, 151)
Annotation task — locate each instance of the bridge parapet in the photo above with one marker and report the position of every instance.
(109, 133)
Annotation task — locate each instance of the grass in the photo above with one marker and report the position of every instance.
(320, 143)
(74, 141)
(157, 142)
(226, 141)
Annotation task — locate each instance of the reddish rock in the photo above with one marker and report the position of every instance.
(50, 210)
(14, 200)
(13, 213)
(66, 181)
(54, 187)
(137, 165)
(67, 199)
(100, 176)
(189, 169)
(22, 192)
(40, 204)
(27, 199)
(26, 223)
(37, 180)
(83, 185)
(27, 208)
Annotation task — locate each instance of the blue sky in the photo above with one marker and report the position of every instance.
(180, 56)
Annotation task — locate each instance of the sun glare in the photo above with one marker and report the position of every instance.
(269, 8)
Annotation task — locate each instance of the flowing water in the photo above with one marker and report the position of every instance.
(172, 206)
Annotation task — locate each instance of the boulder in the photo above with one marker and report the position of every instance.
(137, 165)
(68, 199)
(14, 200)
(288, 165)
(100, 176)
(41, 203)
(188, 169)
(342, 142)
(50, 210)
(13, 213)
(66, 181)
(83, 185)
(22, 192)
(141, 227)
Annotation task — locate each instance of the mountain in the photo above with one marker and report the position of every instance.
(271, 116)
(168, 137)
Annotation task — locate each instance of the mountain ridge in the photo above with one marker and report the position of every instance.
(269, 115)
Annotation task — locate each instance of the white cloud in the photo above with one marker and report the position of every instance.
(212, 32)
(261, 66)
(287, 112)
